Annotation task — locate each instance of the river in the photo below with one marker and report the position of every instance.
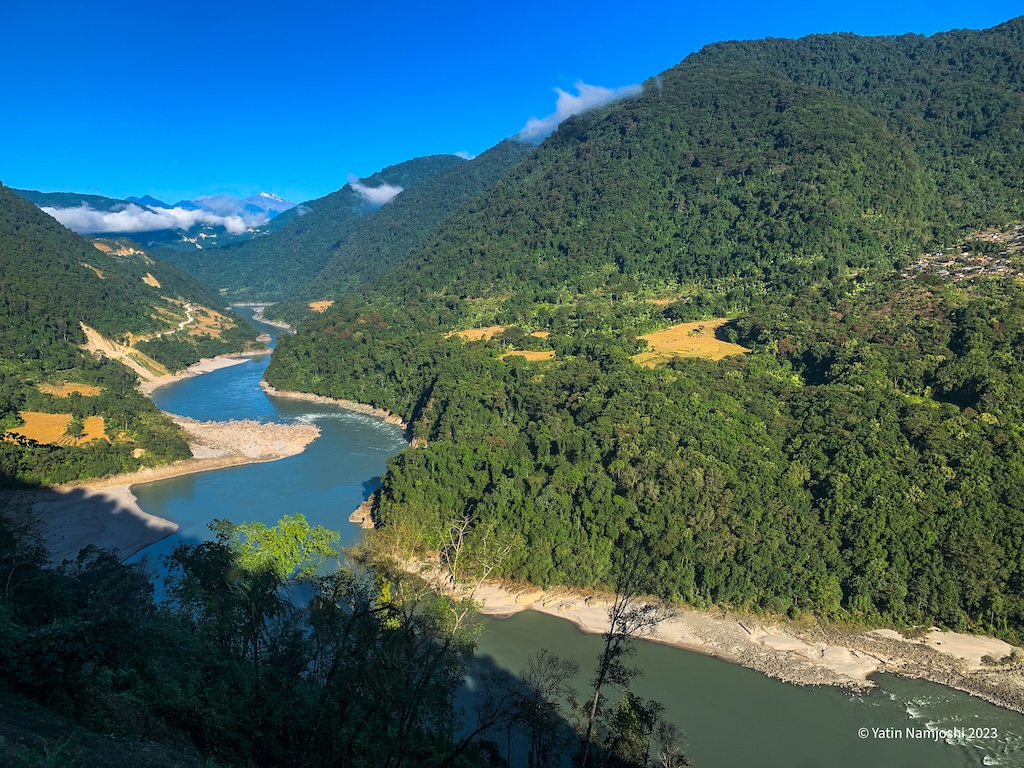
(731, 716)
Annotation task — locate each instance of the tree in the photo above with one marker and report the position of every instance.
(630, 616)
(292, 548)
(546, 678)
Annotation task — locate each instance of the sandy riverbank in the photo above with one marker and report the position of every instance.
(802, 655)
(260, 317)
(71, 518)
(349, 405)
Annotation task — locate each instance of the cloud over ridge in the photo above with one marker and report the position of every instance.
(376, 196)
(587, 97)
(135, 218)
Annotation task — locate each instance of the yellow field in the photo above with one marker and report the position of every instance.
(65, 389)
(661, 302)
(475, 334)
(533, 354)
(95, 429)
(150, 280)
(51, 428)
(321, 306)
(685, 340)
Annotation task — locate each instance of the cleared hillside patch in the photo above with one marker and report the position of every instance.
(661, 302)
(151, 281)
(210, 322)
(321, 306)
(52, 429)
(67, 389)
(93, 428)
(476, 334)
(687, 340)
(532, 354)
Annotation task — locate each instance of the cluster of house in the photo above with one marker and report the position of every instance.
(1005, 258)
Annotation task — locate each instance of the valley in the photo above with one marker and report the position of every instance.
(732, 359)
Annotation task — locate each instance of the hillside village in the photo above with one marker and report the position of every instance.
(1002, 257)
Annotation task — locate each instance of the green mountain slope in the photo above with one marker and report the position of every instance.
(954, 96)
(51, 283)
(271, 267)
(862, 462)
(712, 172)
(391, 233)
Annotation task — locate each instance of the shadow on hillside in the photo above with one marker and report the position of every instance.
(68, 521)
(508, 742)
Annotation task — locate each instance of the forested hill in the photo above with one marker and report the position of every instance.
(51, 282)
(862, 461)
(391, 233)
(271, 267)
(956, 97)
(830, 151)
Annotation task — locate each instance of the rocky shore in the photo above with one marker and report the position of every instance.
(349, 405)
(796, 653)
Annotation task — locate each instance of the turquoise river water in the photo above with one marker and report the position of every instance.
(731, 716)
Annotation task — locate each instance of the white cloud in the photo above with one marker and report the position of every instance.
(588, 97)
(464, 155)
(134, 218)
(375, 196)
(221, 205)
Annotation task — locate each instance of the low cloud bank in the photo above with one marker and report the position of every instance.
(134, 218)
(587, 97)
(375, 196)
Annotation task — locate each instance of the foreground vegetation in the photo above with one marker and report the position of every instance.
(265, 653)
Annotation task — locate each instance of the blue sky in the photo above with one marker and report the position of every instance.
(191, 98)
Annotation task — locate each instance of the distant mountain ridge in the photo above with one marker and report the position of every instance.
(191, 224)
(149, 201)
(305, 237)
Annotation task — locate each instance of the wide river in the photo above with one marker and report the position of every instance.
(731, 716)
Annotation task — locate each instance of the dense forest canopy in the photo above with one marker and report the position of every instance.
(862, 462)
(51, 283)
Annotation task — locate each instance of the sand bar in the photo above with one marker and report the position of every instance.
(104, 511)
(71, 519)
